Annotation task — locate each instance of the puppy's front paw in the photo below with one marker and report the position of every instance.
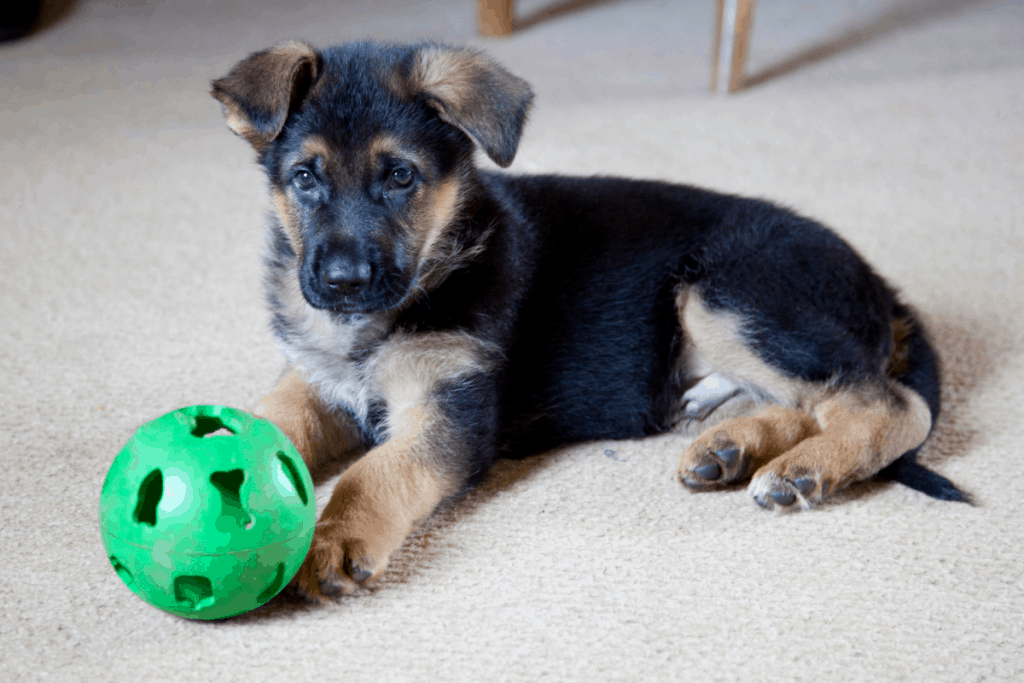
(338, 563)
(373, 509)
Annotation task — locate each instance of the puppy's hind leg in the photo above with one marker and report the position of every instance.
(758, 402)
(862, 431)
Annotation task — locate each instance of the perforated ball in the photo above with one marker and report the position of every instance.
(207, 512)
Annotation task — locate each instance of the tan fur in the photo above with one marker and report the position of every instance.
(408, 367)
(316, 147)
(437, 205)
(315, 433)
(437, 202)
(266, 80)
(291, 51)
(448, 75)
(375, 505)
(861, 434)
(382, 495)
(770, 433)
(439, 253)
(289, 220)
(716, 339)
(239, 123)
(859, 437)
(760, 437)
(899, 360)
(442, 207)
(385, 144)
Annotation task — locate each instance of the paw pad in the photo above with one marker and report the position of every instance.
(804, 485)
(708, 472)
(728, 455)
(360, 570)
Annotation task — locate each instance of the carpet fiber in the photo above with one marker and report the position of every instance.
(131, 226)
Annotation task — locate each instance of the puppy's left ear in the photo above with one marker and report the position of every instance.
(474, 94)
(258, 94)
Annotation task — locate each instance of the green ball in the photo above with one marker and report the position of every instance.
(207, 512)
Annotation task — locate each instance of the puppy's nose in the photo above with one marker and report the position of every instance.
(344, 275)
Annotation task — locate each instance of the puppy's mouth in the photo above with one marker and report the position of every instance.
(348, 309)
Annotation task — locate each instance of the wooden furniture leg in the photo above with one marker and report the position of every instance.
(496, 17)
(733, 19)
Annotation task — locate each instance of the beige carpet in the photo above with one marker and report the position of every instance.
(130, 228)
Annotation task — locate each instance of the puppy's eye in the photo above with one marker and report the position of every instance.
(304, 180)
(401, 177)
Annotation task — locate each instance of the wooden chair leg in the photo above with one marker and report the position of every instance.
(740, 41)
(733, 19)
(496, 17)
(716, 43)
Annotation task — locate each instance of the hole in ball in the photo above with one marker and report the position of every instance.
(292, 472)
(211, 425)
(229, 485)
(122, 571)
(193, 591)
(150, 493)
(275, 585)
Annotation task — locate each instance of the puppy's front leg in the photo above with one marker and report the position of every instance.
(374, 506)
(435, 441)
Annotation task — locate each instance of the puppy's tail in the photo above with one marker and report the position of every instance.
(907, 471)
(917, 366)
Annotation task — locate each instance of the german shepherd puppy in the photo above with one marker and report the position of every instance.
(437, 317)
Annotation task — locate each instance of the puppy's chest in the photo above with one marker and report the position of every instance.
(339, 364)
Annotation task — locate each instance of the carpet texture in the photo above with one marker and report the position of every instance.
(131, 223)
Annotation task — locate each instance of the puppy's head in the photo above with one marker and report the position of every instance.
(368, 150)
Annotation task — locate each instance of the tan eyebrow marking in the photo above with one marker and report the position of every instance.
(386, 144)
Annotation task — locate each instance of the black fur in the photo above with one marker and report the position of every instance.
(573, 282)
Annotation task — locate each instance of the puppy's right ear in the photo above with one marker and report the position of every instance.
(263, 88)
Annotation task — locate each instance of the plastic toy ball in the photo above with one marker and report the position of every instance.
(207, 512)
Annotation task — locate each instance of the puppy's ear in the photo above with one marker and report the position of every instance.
(475, 94)
(263, 88)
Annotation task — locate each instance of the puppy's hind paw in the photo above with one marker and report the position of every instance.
(711, 461)
(774, 492)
